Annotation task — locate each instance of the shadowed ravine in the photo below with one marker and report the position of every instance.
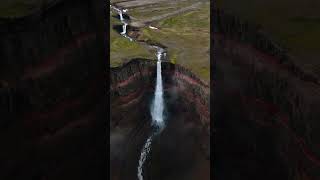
(53, 118)
(265, 105)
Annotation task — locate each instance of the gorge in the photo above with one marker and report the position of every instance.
(265, 106)
(131, 92)
(53, 98)
(52, 93)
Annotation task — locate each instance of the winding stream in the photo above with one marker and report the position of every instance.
(157, 106)
(123, 21)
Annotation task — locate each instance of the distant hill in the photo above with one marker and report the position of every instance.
(19, 8)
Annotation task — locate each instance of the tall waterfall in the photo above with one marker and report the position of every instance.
(157, 108)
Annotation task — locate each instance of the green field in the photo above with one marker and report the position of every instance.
(187, 38)
(123, 50)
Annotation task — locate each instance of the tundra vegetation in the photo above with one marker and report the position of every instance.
(182, 26)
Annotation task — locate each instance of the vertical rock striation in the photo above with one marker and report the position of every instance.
(276, 96)
(52, 78)
(131, 90)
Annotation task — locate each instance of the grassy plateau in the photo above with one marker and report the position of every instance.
(186, 35)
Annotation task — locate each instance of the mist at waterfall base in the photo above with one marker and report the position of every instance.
(157, 113)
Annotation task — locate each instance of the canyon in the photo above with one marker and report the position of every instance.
(141, 144)
(265, 106)
(52, 93)
(132, 87)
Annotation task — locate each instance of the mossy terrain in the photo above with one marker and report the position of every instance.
(187, 37)
(185, 34)
(19, 8)
(295, 24)
(122, 49)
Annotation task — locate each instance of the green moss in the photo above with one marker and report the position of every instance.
(173, 56)
(122, 49)
(187, 37)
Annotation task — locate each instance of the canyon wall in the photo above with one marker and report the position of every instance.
(278, 99)
(186, 102)
(138, 76)
(131, 92)
(52, 92)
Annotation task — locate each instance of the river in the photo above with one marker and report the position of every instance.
(157, 106)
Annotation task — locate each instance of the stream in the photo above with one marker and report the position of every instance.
(157, 106)
(123, 21)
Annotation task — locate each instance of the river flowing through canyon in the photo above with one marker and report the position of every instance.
(157, 109)
(157, 106)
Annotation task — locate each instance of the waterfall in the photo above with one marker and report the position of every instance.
(123, 21)
(157, 108)
(121, 15)
(124, 28)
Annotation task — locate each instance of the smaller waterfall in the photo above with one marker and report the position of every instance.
(121, 15)
(123, 21)
(124, 28)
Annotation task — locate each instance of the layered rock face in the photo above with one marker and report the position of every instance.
(184, 143)
(265, 107)
(52, 93)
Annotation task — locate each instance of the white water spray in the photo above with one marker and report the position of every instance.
(157, 108)
(121, 15)
(124, 28)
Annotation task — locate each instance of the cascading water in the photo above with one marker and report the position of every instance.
(123, 21)
(157, 108)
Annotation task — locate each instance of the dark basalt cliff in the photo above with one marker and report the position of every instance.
(52, 93)
(266, 107)
(187, 115)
